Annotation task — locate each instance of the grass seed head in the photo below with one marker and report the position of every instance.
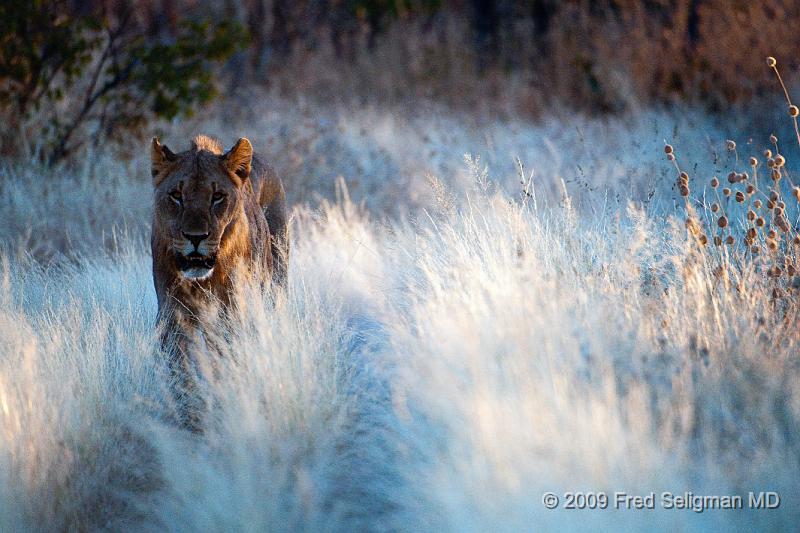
(771, 62)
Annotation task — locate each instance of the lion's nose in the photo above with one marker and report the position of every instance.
(196, 238)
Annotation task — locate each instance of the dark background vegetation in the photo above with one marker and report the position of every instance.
(73, 72)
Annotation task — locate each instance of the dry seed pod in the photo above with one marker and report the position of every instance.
(779, 160)
(760, 222)
(771, 62)
(684, 190)
(770, 204)
(751, 215)
(754, 249)
(772, 244)
(768, 153)
(739, 196)
(772, 234)
(714, 182)
(793, 111)
(726, 191)
(796, 240)
(729, 240)
(775, 174)
(703, 240)
(783, 224)
(773, 195)
(668, 149)
(773, 139)
(732, 177)
(684, 176)
(730, 145)
(750, 189)
(717, 240)
(722, 222)
(751, 233)
(753, 162)
(781, 205)
(796, 192)
(714, 207)
(771, 163)
(777, 211)
(670, 157)
(757, 204)
(791, 270)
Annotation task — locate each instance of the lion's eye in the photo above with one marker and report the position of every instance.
(217, 197)
(175, 196)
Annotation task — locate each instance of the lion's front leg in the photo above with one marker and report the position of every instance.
(179, 347)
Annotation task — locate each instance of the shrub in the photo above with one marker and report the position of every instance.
(105, 67)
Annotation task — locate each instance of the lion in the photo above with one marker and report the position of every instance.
(215, 214)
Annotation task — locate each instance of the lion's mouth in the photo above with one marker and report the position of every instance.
(195, 265)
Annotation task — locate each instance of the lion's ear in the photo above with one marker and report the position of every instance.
(239, 158)
(160, 157)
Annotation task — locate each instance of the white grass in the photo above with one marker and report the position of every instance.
(436, 371)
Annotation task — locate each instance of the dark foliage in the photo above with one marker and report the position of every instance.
(102, 68)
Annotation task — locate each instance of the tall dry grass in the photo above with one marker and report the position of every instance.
(436, 370)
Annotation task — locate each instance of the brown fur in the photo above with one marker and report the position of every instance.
(244, 231)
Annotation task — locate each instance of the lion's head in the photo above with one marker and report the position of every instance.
(198, 201)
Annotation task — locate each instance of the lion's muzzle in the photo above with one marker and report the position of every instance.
(195, 265)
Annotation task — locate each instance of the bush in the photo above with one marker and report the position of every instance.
(105, 67)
